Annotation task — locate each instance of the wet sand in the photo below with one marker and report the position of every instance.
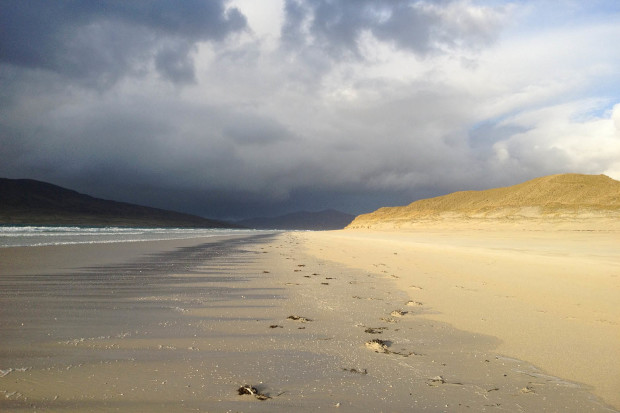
(181, 325)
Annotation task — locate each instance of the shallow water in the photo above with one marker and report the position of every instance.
(27, 236)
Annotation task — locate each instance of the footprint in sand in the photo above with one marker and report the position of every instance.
(413, 303)
(436, 381)
(382, 346)
(378, 346)
(398, 313)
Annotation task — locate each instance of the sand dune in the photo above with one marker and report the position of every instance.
(573, 200)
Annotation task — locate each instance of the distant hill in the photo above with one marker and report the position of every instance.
(323, 220)
(30, 202)
(552, 199)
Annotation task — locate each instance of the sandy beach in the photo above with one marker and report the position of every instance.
(338, 321)
(551, 297)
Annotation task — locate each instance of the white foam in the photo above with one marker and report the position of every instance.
(35, 236)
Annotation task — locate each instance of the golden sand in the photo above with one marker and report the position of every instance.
(551, 298)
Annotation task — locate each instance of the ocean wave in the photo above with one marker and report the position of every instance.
(34, 236)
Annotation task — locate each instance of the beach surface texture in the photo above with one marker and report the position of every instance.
(550, 298)
(306, 321)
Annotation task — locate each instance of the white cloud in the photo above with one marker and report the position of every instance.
(265, 19)
(586, 144)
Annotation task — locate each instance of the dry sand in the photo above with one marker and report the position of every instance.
(552, 298)
(163, 328)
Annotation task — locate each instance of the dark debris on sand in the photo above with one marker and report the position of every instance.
(356, 371)
(246, 389)
(298, 318)
(374, 330)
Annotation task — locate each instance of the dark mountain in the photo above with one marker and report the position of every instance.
(30, 202)
(323, 220)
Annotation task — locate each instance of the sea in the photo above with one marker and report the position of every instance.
(31, 236)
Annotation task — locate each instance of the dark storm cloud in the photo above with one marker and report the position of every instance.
(99, 41)
(174, 61)
(248, 129)
(421, 27)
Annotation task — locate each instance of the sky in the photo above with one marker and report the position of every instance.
(244, 108)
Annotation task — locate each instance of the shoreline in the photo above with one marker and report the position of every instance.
(181, 326)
